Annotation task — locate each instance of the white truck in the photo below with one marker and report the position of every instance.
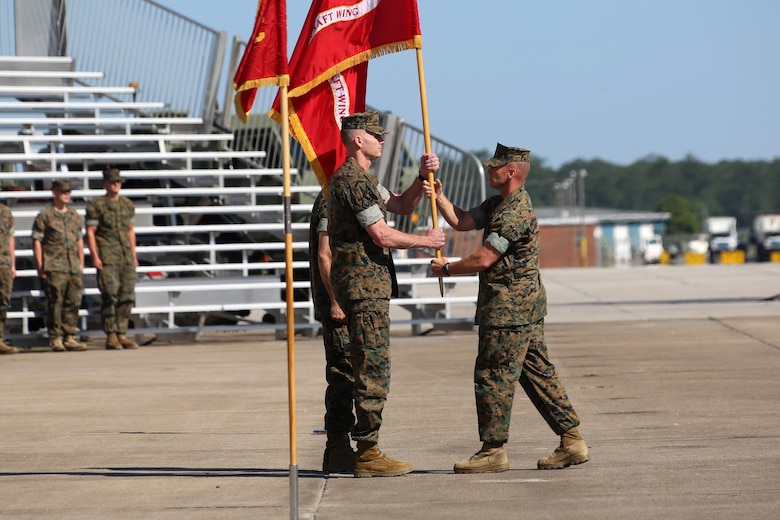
(766, 234)
(721, 235)
(653, 250)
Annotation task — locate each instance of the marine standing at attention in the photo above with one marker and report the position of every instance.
(111, 241)
(58, 248)
(339, 417)
(7, 271)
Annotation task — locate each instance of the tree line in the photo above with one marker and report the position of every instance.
(690, 190)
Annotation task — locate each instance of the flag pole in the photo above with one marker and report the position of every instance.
(288, 275)
(427, 137)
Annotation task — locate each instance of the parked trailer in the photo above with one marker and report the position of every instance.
(766, 235)
(722, 238)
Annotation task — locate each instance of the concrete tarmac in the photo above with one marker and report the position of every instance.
(673, 370)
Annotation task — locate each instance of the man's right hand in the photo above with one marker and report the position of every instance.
(429, 162)
(337, 313)
(437, 188)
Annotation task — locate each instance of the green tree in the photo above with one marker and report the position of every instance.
(684, 216)
(738, 188)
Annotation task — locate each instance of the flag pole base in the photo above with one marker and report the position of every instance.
(293, 492)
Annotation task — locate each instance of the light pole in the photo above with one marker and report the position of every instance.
(579, 178)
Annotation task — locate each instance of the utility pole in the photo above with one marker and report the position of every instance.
(578, 177)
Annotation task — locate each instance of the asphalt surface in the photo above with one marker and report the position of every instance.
(673, 370)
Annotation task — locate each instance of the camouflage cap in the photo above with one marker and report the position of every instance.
(112, 175)
(506, 154)
(60, 185)
(368, 121)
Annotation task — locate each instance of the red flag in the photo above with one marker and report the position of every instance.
(315, 118)
(330, 62)
(336, 37)
(265, 58)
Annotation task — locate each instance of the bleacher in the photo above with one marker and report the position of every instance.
(209, 213)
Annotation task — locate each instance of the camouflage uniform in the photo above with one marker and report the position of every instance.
(335, 336)
(59, 234)
(6, 278)
(112, 220)
(363, 277)
(511, 306)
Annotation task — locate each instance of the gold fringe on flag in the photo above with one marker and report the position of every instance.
(243, 115)
(413, 43)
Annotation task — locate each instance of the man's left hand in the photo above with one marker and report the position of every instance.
(436, 266)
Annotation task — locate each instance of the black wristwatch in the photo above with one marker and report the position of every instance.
(446, 269)
(422, 177)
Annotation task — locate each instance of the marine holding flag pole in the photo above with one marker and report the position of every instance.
(427, 138)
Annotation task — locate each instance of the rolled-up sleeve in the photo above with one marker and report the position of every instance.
(370, 216)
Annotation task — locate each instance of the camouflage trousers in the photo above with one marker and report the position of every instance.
(63, 299)
(369, 336)
(510, 355)
(117, 296)
(338, 374)
(6, 286)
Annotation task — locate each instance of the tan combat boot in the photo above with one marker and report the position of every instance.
(338, 457)
(73, 345)
(5, 348)
(56, 344)
(490, 459)
(126, 342)
(371, 462)
(112, 342)
(572, 450)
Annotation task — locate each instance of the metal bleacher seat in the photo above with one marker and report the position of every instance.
(210, 219)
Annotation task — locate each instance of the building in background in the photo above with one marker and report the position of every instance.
(598, 237)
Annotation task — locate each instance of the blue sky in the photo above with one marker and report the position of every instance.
(611, 79)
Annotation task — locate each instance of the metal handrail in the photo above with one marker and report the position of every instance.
(169, 56)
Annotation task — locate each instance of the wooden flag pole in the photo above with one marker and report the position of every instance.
(288, 276)
(427, 137)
